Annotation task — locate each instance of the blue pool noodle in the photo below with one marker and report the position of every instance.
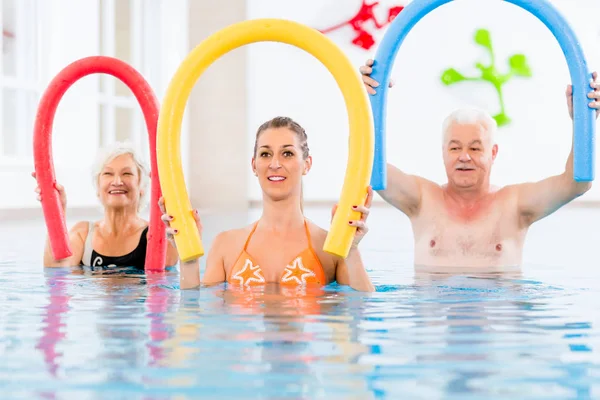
(583, 116)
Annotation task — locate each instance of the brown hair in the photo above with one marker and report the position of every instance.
(286, 122)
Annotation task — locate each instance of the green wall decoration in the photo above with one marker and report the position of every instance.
(518, 67)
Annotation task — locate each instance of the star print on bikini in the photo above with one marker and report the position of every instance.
(298, 272)
(250, 273)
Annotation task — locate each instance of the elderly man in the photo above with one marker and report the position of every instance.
(467, 222)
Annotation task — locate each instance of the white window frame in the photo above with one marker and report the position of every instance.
(152, 54)
(28, 12)
(109, 98)
(162, 30)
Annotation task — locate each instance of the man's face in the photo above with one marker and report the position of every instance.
(468, 155)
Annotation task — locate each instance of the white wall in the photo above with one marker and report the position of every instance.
(286, 80)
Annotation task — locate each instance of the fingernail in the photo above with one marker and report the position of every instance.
(354, 207)
(176, 231)
(350, 222)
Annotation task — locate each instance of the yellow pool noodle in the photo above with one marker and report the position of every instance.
(361, 139)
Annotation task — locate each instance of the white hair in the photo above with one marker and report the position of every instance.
(114, 150)
(471, 115)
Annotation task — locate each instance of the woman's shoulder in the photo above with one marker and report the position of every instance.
(230, 237)
(316, 232)
(318, 235)
(81, 227)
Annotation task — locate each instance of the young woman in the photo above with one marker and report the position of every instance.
(282, 246)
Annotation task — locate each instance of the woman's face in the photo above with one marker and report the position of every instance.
(278, 163)
(119, 183)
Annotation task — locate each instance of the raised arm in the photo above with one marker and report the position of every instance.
(537, 200)
(403, 190)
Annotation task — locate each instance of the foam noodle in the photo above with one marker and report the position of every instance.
(360, 158)
(44, 166)
(583, 115)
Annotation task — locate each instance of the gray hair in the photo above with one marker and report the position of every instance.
(471, 115)
(114, 150)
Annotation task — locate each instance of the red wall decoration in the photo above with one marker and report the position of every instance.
(363, 38)
(8, 35)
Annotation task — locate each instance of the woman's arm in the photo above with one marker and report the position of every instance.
(215, 264)
(351, 271)
(172, 255)
(189, 272)
(77, 236)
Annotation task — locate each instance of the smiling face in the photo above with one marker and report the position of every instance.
(119, 183)
(469, 153)
(280, 161)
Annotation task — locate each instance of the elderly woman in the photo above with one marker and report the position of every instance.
(119, 239)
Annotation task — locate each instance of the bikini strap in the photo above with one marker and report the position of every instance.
(307, 233)
(250, 235)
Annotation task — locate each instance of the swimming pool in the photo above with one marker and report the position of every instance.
(122, 335)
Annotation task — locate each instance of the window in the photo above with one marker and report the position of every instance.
(42, 37)
(121, 37)
(19, 73)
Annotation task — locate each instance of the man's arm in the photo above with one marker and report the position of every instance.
(539, 199)
(403, 191)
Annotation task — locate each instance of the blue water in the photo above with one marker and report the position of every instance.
(121, 334)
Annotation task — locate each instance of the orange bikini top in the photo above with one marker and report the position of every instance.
(304, 268)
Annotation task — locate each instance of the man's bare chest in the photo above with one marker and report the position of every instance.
(487, 237)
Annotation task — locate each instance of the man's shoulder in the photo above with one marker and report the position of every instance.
(507, 190)
(427, 184)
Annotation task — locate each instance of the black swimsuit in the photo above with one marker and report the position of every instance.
(136, 258)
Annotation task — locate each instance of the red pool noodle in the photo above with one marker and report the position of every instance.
(42, 148)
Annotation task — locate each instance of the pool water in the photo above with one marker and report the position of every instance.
(122, 334)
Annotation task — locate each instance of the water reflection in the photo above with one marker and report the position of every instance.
(117, 323)
(436, 335)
